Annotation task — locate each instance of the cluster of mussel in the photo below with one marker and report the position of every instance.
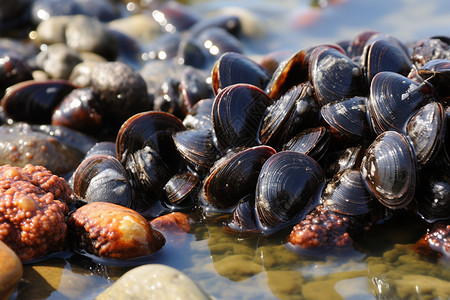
(357, 128)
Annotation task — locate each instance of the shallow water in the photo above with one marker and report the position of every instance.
(383, 264)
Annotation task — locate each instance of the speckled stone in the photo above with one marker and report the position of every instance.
(10, 271)
(154, 281)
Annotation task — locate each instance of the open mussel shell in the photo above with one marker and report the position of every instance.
(347, 119)
(151, 128)
(347, 195)
(389, 168)
(295, 111)
(34, 101)
(236, 114)
(313, 142)
(393, 98)
(427, 129)
(437, 73)
(102, 178)
(232, 68)
(197, 148)
(385, 54)
(335, 76)
(234, 176)
(289, 186)
(181, 190)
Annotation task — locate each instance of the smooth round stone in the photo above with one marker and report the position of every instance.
(140, 27)
(10, 270)
(154, 281)
(52, 30)
(87, 34)
(58, 60)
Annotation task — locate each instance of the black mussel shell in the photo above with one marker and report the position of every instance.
(103, 148)
(429, 49)
(385, 55)
(295, 111)
(337, 161)
(347, 119)
(199, 117)
(433, 194)
(102, 178)
(148, 171)
(34, 101)
(393, 99)
(335, 76)
(289, 186)
(313, 142)
(77, 111)
(197, 148)
(389, 169)
(182, 190)
(232, 68)
(243, 220)
(427, 129)
(231, 23)
(194, 87)
(234, 176)
(236, 115)
(358, 43)
(13, 69)
(437, 73)
(289, 73)
(346, 194)
(154, 129)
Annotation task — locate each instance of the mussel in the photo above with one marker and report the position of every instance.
(289, 186)
(236, 114)
(393, 99)
(335, 76)
(389, 169)
(234, 176)
(102, 178)
(232, 68)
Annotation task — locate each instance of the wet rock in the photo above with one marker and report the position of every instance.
(33, 205)
(121, 90)
(58, 60)
(113, 231)
(86, 34)
(153, 281)
(141, 27)
(10, 270)
(21, 145)
(51, 31)
(237, 267)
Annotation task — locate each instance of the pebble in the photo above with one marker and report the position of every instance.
(154, 281)
(87, 34)
(10, 271)
(141, 27)
(58, 60)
